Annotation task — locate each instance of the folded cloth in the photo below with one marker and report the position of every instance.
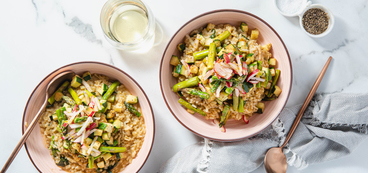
(332, 126)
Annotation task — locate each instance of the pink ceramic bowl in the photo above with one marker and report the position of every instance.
(235, 130)
(35, 147)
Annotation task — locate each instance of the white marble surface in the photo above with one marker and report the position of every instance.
(38, 36)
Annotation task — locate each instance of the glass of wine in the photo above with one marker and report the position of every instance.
(128, 25)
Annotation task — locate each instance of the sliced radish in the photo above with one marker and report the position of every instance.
(62, 137)
(228, 84)
(223, 70)
(236, 92)
(187, 67)
(90, 132)
(91, 146)
(241, 90)
(208, 74)
(98, 104)
(91, 126)
(91, 114)
(202, 87)
(82, 137)
(223, 129)
(245, 119)
(87, 86)
(86, 96)
(92, 103)
(231, 84)
(254, 73)
(74, 126)
(218, 90)
(237, 69)
(227, 59)
(238, 61)
(75, 108)
(253, 81)
(258, 79)
(85, 124)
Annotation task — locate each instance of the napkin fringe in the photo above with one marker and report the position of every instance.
(202, 166)
(293, 159)
(278, 127)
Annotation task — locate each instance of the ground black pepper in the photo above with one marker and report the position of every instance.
(315, 21)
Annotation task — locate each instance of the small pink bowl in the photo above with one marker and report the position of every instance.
(35, 147)
(235, 130)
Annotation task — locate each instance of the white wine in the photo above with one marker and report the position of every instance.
(128, 24)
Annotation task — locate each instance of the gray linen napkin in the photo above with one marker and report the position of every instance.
(332, 126)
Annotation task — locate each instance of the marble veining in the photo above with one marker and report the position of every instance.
(39, 36)
(85, 30)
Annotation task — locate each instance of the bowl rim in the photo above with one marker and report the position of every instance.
(92, 62)
(208, 13)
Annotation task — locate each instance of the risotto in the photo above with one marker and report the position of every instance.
(223, 73)
(93, 125)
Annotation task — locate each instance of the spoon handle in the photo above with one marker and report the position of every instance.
(23, 139)
(306, 102)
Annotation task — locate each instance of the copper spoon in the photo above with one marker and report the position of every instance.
(275, 159)
(51, 88)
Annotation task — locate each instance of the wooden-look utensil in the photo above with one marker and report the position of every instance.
(51, 88)
(275, 159)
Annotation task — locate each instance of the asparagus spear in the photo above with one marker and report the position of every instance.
(185, 84)
(200, 55)
(69, 100)
(274, 80)
(198, 93)
(88, 93)
(241, 104)
(59, 114)
(132, 109)
(80, 119)
(225, 115)
(51, 100)
(110, 90)
(235, 102)
(112, 149)
(189, 106)
(52, 142)
(211, 56)
(75, 96)
(223, 35)
(229, 90)
(215, 86)
(90, 162)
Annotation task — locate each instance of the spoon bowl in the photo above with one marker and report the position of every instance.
(51, 88)
(275, 161)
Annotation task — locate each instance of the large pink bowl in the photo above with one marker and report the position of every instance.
(235, 130)
(40, 155)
